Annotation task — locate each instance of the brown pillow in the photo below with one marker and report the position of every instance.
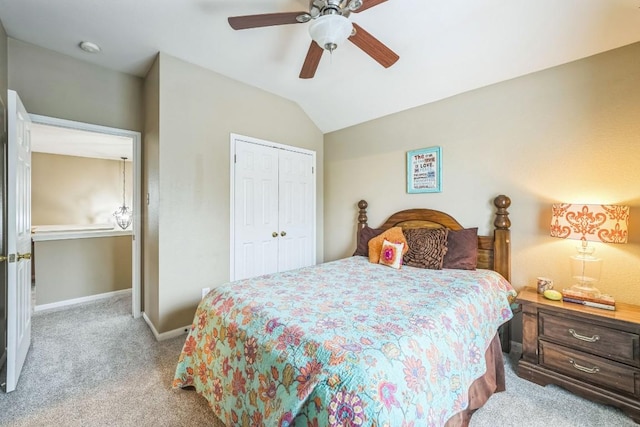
(393, 235)
(462, 249)
(366, 234)
(427, 247)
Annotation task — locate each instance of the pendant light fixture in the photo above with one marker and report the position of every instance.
(330, 31)
(124, 214)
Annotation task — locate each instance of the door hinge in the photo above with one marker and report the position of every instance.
(235, 158)
(312, 169)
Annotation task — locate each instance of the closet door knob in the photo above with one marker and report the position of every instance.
(274, 234)
(24, 256)
(284, 233)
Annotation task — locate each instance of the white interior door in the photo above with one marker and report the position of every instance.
(273, 207)
(295, 212)
(18, 238)
(255, 210)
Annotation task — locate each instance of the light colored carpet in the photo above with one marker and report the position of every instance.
(94, 365)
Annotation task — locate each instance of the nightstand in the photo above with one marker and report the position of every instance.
(591, 352)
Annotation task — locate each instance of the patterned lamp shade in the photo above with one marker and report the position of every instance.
(595, 223)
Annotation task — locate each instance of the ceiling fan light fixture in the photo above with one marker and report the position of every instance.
(330, 31)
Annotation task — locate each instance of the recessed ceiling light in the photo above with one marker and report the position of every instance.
(90, 47)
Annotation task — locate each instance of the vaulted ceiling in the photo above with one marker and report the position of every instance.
(446, 47)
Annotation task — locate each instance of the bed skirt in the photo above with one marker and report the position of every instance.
(481, 389)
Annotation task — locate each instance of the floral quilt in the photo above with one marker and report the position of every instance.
(345, 343)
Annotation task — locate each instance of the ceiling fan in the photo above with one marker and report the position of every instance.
(330, 27)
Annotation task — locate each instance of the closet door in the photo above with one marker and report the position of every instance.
(273, 209)
(255, 210)
(295, 212)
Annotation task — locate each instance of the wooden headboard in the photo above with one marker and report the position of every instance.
(494, 252)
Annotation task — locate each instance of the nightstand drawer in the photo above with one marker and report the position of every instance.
(597, 339)
(589, 368)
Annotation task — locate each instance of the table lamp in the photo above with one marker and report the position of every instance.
(589, 223)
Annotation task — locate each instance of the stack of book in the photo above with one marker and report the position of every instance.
(605, 302)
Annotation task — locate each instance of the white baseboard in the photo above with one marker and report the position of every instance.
(65, 303)
(165, 335)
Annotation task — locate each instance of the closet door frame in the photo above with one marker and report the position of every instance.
(232, 153)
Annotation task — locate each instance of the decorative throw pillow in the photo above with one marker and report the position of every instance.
(391, 254)
(393, 235)
(366, 234)
(462, 249)
(427, 247)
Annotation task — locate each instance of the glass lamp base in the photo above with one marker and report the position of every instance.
(586, 269)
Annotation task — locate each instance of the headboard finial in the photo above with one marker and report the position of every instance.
(502, 221)
(362, 214)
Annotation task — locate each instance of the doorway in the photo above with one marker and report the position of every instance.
(101, 142)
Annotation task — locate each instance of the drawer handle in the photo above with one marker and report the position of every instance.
(593, 370)
(582, 337)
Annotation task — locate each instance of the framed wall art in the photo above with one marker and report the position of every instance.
(424, 170)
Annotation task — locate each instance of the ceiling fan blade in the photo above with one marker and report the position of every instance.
(373, 47)
(367, 4)
(263, 20)
(311, 61)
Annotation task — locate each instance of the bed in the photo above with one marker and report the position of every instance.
(352, 343)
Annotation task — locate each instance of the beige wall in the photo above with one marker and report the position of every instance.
(76, 190)
(566, 134)
(100, 265)
(56, 85)
(150, 182)
(198, 111)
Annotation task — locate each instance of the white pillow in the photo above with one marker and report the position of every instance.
(391, 254)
